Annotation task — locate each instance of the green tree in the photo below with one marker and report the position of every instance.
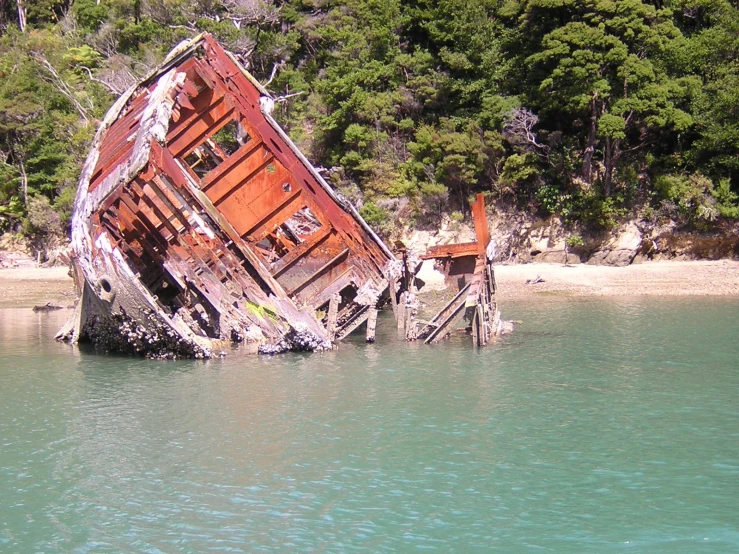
(597, 63)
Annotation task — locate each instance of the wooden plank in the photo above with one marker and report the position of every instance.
(333, 310)
(231, 162)
(350, 326)
(446, 310)
(446, 325)
(302, 249)
(197, 132)
(346, 278)
(320, 271)
(220, 188)
(451, 251)
(392, 290)
(284, 211)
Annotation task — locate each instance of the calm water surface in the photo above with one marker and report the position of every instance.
(600, 426)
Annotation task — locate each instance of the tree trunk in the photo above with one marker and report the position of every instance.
(587, 163)
(608, 163)
(21, 15)
(24, 180)
(612, 154)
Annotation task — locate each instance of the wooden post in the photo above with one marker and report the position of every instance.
(401, 310)
(371, 324)
(393, 298)
(333, 309)
(411, 309)
(476, 328)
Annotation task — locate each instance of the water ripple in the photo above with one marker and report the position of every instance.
(601, 426)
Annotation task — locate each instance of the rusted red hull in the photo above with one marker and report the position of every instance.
(198, 221)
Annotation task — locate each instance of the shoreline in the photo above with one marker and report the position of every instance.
(25, 287)
(659, 278)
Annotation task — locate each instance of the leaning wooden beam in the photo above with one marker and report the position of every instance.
(445, 312)
(455, 313)
(354, 322)
(320, 271)
(333, 307)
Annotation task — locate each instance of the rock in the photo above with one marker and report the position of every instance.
(557, 257)
(296, 340)
(620, 250)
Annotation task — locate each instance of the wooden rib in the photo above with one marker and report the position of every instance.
(320, 271)
(286, 262)
(275, 218)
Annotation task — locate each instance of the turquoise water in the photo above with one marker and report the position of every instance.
(600, 426)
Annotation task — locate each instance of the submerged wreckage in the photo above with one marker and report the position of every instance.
(198, 221)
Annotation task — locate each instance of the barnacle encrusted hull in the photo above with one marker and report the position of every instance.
(198, 221)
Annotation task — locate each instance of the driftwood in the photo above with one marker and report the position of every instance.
(48, 307)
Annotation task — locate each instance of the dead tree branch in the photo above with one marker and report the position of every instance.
(286, 97)
(275, 67)
(519, 131)
(63, 87)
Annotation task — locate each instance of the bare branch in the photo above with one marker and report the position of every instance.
(278, 65)
(189, 27)
(110, 89)
(285, 97)
(519, 130)
(62, 86)
(255, 12)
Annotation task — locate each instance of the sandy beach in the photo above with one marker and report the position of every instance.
(662, 278)
(25, 287)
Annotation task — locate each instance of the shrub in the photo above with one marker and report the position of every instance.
(373, 214)
(41, 218)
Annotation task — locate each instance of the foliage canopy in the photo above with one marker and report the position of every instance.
(584, 108)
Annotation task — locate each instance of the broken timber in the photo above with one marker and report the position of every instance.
(475, 300)
(198, 221)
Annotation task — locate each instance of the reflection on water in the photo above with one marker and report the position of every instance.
(600, 426)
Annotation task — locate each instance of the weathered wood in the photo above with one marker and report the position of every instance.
(445, 326)
(393, 299)
(371, 324)
(333, 310)
(359, 317)
(401, 310)
(174, 223)
(320, 271)
(476, 340)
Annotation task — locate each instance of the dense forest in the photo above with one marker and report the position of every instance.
(592, 110)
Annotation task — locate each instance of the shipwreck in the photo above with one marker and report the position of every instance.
(198, 222)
